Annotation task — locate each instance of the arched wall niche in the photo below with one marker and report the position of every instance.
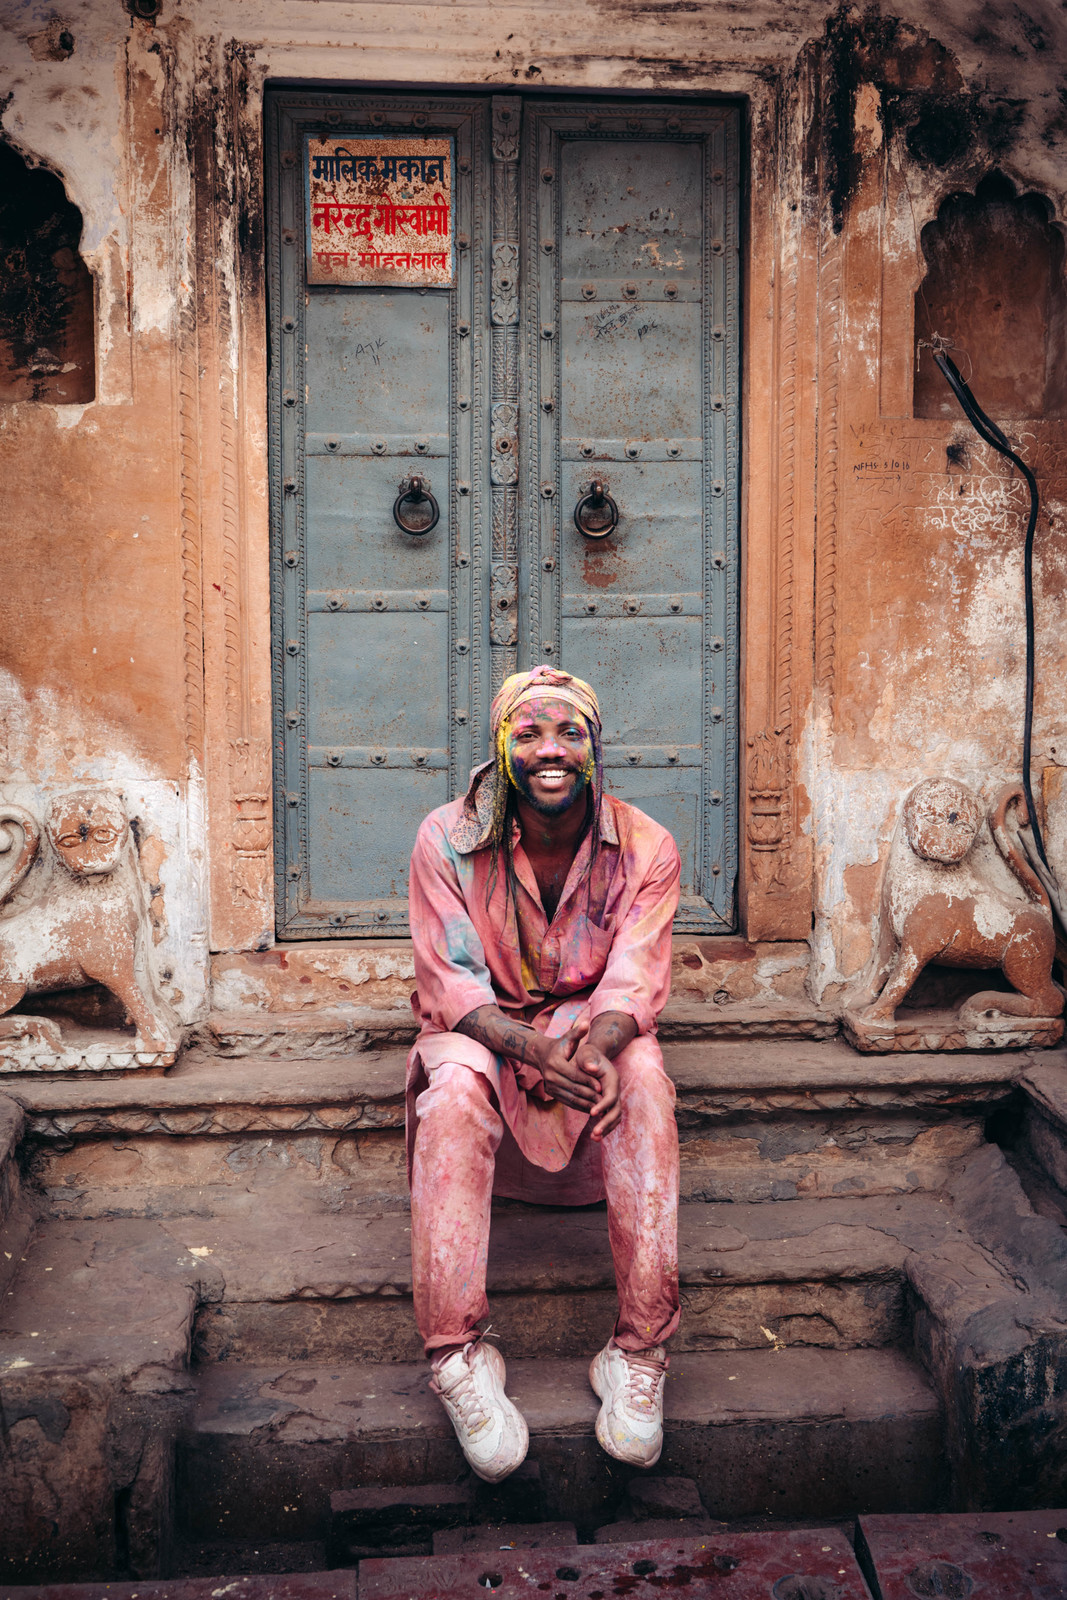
(47, 322)
(995, 290)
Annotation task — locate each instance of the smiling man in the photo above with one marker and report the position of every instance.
(541, 913)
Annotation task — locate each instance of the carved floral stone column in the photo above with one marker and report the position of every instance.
(504, 404)
(777, 615)
(231, 354)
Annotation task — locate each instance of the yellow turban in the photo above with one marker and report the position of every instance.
(542, 683)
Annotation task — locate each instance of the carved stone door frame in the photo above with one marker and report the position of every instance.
(497, 428)
(220, 414)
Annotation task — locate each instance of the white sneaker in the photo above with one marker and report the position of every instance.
(491, 1430)
(630, 1384)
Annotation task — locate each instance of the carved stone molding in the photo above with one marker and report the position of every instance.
(769, 789)
(503, 595)
(777, 869)
(785, 576)
(252, 822)
(224, 150)
(189, 502)
(504, 395)
(829, 507)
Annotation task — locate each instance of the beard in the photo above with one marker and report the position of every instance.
(555, 807)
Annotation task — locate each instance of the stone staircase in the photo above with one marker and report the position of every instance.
(207, 1331)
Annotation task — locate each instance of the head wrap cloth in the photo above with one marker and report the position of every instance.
(543, 683)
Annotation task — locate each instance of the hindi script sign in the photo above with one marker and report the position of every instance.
(380, 212)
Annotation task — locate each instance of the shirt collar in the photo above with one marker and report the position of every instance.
(471, 832)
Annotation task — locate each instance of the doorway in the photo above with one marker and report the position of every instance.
(504, 429)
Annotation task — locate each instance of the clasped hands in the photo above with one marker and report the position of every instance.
(577, 1072)
(577, 1068)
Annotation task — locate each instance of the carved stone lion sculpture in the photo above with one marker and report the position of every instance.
(80, 920)
(947, 898)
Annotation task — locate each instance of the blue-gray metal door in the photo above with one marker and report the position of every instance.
(580, 367)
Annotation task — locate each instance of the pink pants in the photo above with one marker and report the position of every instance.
(459, 1131)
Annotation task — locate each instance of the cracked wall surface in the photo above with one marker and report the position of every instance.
(882, 606)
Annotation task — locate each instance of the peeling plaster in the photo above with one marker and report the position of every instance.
(42, 757)
(69, 114)
(73, 115)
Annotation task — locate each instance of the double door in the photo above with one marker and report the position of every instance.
(504, 430)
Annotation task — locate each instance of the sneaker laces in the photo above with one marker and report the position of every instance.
(462, 1393)
(645, 1372)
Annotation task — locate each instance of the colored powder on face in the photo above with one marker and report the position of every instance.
(527, 717)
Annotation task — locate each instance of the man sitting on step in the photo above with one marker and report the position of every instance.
(541, 913)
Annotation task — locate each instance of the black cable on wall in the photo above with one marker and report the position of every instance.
(987, 430)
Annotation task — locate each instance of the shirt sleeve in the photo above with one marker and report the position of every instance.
(637, 976)
(450, 968)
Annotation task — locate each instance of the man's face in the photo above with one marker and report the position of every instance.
(549, 754)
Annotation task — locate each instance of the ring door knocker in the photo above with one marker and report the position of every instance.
(596, 515)
(415, 493)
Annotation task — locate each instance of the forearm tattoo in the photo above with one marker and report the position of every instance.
(611, 1032)
(500, 1035)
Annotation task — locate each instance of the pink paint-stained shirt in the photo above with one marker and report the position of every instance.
(607, 948)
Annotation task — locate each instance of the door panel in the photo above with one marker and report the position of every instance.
(650, 678)
(662, 536)
(631, 313)
(361, 837)
(381, 363)
(379, 635)
(365, 555)
(673, 799)
(630, 372)
(657, 231)
(590, 333)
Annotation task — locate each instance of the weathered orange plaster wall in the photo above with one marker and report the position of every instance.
(90, 601)
(94, 598)
(90, 591)
(928, 624)
(882, 625)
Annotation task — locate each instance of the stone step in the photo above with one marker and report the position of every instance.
(827, 1273)
(17, 1211)
(505, 1535)
(294, 1284)
(95, 1335)
(318, 1032)
(12, 1128)
(363, 1090)
(96, 1384)
(765, 1119)
(999, 1553)
(789, 1433)
(1044, 1117)
(1004, 1554)
(267, 1585)
(96, 1340)
(795, 1563)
